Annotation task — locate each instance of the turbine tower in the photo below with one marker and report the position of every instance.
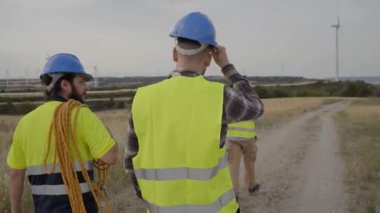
(96, 82)
(336, 26)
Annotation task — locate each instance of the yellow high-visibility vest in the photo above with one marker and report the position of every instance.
(242, 130)
(180, 166)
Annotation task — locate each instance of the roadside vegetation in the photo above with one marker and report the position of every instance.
(360, 145)
(321, 89)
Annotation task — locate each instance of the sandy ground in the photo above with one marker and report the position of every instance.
(299, 166)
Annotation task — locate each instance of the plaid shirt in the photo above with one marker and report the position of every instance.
(240, 103)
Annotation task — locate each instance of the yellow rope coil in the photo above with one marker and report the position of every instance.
(66, 143)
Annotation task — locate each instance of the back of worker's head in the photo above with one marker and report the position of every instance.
(195, 37)
(60, 70)
(192, 52)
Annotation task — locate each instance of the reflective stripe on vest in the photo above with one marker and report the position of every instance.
(181, 173)
(241, 130)
(179, 166)
(214, 207)
(54, 184)
(55, 189)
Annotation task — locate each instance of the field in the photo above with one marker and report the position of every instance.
(360, 130)
(278, 113)
(7, 125)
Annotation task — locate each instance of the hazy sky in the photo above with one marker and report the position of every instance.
(130, 37)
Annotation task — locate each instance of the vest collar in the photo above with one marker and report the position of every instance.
(57, 98)
(187, 73)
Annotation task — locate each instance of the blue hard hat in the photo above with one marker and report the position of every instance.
(197, 27)
(65, 63)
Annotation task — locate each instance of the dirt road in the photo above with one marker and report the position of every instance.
(299, 167)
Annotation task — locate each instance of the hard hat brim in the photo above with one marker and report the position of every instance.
(213, 43)
(87, 76)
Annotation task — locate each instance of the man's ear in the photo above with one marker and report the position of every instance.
(208, 60)
(65, 85)
(175, 55)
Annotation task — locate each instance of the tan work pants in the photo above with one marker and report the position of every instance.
(247, 150)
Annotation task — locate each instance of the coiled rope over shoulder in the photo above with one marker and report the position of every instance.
(63, 130)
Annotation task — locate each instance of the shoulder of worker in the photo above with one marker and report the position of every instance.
(43, 109)
(85, 111)
(150, 87)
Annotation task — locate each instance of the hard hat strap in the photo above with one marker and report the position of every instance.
(188, 52)
(55, 77)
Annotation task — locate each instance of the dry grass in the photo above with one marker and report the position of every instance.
(288, 84)
(360, 131)
(120, 191)
(7, 125)
(279, 109)
(116, 122)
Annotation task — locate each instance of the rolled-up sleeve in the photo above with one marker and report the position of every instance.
(241, 101)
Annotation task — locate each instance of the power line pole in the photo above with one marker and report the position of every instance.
(336, 26)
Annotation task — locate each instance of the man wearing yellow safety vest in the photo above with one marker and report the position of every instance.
(175, 150)
(242, 142)
(58, 144)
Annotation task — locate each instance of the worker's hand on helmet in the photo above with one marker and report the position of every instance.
(220, 56)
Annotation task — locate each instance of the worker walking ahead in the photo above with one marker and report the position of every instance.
(58, 145)
(242, 143)
(175, 151)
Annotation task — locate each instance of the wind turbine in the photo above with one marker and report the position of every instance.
(96, 82)
(336, 26)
